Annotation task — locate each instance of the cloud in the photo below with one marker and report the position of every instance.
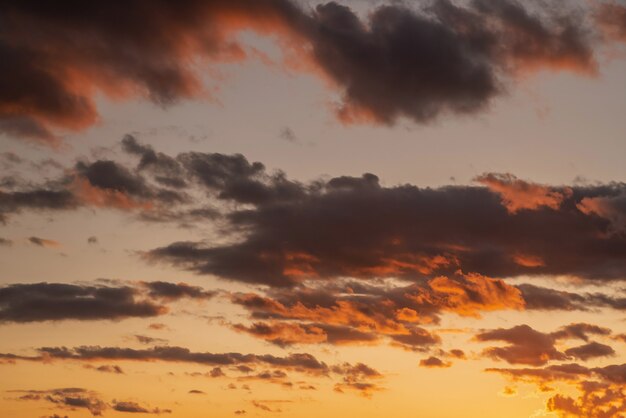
(358, 378)
(196, 392)
(596, 400)
(355, 376)
(612, 208)
(304, 362)
(530, 347)
(56, 301)
(175, 291)
(43, 242)
(521, 195)
(70, 398)
(414, 62)
(60, 301)
(4, 242)
(285, 334)
(106, 368)
(73, 67)
(434, 362)
(526, 346)
(38, 199)
(76, 398)
(590, 350)
(543, 298)
(134, 407)
(299, 232)
(580, 331)
(287, 134)
(611, 18)
(143, 339)
(346, 312)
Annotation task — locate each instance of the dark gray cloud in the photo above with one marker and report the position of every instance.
(526, 346)
(59, 301)
(36, 199)
(355, 227)
(288, 232)
(175, 291)
(284, 334)
(109, 175)
(298, 361)
(134, 407)
(71, 398)
(79, 398)
(400, 61)
(56, 301)
(580, 331)
(43, 242)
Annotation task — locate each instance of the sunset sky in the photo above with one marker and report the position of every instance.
(265, 208)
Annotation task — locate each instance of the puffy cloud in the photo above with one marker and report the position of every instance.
(580, 331)
(403, 232)
(297, 232)
(535, 348)
(590, 350)
(597, 400)
(525, 346)
(345, 312)
(418, 63)
(357, 378)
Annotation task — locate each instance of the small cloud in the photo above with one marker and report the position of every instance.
(158, 327)
(43, 242)
(508, 392)
(288, 135)
(196, 392)
(433, 362)
(92, 240)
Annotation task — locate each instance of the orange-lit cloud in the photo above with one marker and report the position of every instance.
(158, 52)
(519, 194)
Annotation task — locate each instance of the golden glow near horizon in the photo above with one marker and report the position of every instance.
(339, 209)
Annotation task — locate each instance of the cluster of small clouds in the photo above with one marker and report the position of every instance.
(80, 398)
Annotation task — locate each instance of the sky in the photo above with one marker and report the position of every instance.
(300, 208)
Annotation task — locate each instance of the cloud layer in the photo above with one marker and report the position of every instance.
(416, 62)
